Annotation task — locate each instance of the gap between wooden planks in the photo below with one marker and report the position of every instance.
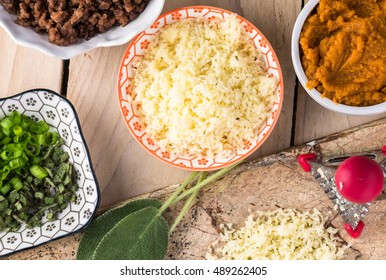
(123, 168)
(89, 82)
(250, 186)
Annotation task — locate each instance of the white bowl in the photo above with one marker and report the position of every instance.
(316, 95)
(60, 114)
(115, 36)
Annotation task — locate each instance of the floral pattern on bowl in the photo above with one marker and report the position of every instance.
(58, 112)
(130, 115)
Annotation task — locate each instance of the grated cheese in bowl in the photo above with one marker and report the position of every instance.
(201, 87)
(282, 234)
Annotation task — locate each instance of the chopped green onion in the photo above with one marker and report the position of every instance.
(17, 130)
(17, 162)
(16, 183)
(38, 171)
(39, 128)
(41, 139)
(4, 173)
(15, 117)
(25, 122)
(5, 189)
(36, 177)
(6, 124)
(32, 149)
(23, 138)
(5, 140)
(22, 172)
(7, 155)
(52, 138)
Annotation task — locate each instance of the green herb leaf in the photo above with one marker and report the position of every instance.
(138, 231)
(105, 222)
(142, 235)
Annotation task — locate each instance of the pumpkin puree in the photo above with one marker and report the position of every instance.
(344, 51)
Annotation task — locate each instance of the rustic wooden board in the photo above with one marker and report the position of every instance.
(267, 183)
(125, 170)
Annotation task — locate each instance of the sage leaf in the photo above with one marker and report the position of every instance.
(142, 235)
(100, 226)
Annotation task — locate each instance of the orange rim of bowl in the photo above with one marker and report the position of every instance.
(280, 90)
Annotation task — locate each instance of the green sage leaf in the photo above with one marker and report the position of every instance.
(100, 226)
(142, 235)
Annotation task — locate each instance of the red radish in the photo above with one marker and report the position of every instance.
(359, 179)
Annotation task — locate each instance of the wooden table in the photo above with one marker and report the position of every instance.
(123, 168)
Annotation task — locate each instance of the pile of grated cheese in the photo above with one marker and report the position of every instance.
(201, 87)
(282, 234)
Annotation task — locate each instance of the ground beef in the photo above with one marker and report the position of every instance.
(67, 21)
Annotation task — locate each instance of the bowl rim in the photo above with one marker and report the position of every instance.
(314, 93)
(100, 40)
(98, 201)
(232, 161)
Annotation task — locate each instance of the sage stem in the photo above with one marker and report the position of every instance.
(203, 183)
(180, 188)
(188, 204)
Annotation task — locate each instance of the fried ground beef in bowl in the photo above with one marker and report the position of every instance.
(68, 21)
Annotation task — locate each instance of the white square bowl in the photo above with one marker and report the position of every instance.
(59, 113)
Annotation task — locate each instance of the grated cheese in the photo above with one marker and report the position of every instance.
(282, 234)
(201, 87)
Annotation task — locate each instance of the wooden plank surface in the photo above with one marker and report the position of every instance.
(23, 68)
(123, 168)
(265, 184)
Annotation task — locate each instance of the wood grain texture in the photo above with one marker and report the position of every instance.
(264, 184)
(123, 168)
(275, 19)
(314, 121)
(23, 68)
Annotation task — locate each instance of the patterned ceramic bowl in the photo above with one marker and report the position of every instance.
(115, 36)
(59, 113)
(130, 115)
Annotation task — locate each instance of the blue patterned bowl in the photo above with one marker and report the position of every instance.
(58, 112)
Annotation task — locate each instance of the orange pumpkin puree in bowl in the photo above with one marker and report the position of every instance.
(344, 51)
